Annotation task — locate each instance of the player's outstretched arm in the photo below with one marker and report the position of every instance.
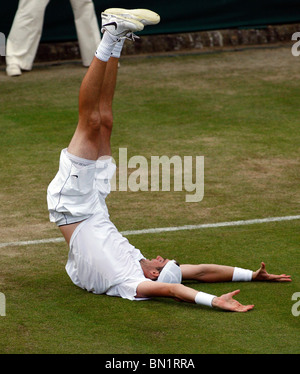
(187, 294)
(221, 273)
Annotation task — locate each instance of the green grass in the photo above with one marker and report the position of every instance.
(240, 111)
(47, 314)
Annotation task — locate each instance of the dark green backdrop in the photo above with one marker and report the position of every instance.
(176, 16)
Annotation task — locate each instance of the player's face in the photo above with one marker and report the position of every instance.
(159, 261)
(152, 268)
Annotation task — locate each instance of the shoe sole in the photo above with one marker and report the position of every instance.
(145, 16)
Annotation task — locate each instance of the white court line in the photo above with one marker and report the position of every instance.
(166, 229)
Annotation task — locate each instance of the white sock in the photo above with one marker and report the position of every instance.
(106, 46)
(116, 52)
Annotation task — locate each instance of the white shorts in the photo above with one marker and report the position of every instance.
(77, 192)
(101, 260)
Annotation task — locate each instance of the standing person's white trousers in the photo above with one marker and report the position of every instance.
(26, 30)
(87, 28)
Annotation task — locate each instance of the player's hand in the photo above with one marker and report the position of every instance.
(226, 302)
(262, 275)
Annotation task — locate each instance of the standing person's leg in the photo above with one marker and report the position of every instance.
(24, 36)
(87, 28)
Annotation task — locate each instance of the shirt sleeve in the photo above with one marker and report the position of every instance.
(137, 254)
(127, 290)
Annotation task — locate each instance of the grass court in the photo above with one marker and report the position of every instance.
(240, 110)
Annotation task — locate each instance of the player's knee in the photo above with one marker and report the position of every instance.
(93, 122)
(107, 120)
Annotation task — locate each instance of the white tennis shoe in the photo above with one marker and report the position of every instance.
(145, 16)
(120, 26)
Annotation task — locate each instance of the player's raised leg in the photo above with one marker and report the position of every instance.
(86, 140)
(105, 106)
(97, 89)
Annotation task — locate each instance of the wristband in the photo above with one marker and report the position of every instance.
(241, 275)
(204, 299)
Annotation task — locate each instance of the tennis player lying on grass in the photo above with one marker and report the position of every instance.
(100, 259)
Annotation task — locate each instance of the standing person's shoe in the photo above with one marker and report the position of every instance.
(13, 70)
